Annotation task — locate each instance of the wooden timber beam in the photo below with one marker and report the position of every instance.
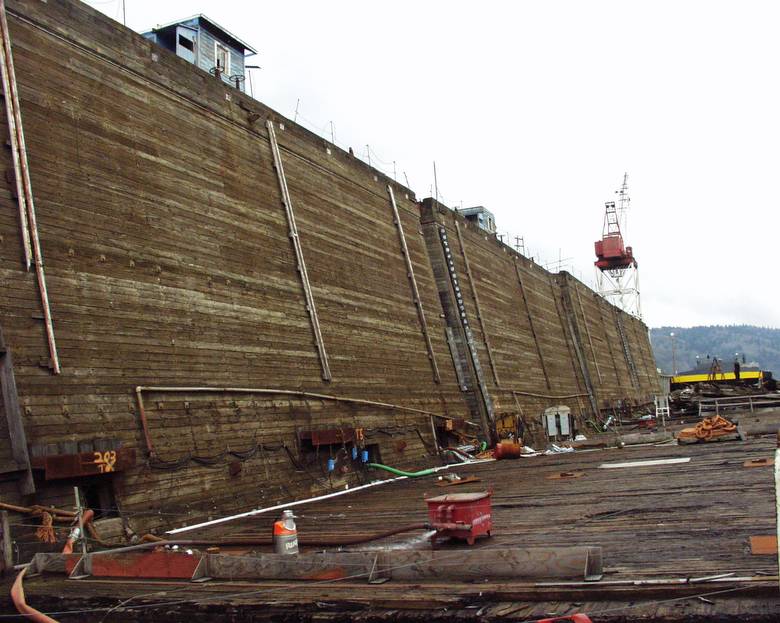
(311, 308)
(475, 296)
(29, 225)
(413, 283)
(576, 563)
(531, 325)
(777, 502)
(13, 416)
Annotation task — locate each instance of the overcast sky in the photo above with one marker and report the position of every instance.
(536, 109)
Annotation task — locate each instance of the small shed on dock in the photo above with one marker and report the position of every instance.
(208, 45)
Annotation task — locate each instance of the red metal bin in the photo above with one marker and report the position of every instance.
(461, 515)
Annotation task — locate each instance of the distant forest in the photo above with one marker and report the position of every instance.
(757, 344)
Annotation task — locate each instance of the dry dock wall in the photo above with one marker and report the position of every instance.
(170, 263)
(538, 339)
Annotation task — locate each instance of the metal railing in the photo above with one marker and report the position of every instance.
(738, 402)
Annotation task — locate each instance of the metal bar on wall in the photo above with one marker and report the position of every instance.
(25, 229)
(21, 165)
(413, 283)
(311, 308)
(487, 416)
(531, 325)
(475, 296)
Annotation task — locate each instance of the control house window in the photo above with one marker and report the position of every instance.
(222, 58)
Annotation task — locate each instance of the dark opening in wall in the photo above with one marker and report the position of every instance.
(187, 43)
(98, 494)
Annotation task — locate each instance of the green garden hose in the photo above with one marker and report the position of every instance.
(398, 472)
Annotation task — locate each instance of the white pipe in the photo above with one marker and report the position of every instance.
(261, 511)
(723, 578)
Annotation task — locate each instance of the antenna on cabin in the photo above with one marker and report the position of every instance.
(435, 182)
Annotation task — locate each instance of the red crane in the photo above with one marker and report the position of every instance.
(611, 253)
(617, 275)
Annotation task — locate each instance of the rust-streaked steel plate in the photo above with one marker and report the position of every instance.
(758, 463)
(763, 544)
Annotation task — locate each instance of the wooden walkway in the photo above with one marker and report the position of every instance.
(683, 520)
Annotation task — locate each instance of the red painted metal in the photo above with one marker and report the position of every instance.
(507, 450)
(576, 618)
(461, 515)
(329, 436)
(612, 255)
(157, 564)
(59, 466)
(17, 596)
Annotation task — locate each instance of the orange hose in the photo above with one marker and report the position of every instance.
(17, 596)
(86, 517)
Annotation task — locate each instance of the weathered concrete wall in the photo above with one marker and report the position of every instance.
(598, 325)
(540, 339)
(169, 263)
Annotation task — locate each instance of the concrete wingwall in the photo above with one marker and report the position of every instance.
(171, 264)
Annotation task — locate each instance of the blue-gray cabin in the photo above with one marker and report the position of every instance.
(206, 44)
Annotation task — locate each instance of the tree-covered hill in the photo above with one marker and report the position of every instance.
(757, 344)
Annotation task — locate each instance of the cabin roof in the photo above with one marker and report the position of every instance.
(213, 26)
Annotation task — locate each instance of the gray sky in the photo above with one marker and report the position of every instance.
(535, 110)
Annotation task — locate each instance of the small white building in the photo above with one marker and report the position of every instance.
(481, 216)
(206, 44)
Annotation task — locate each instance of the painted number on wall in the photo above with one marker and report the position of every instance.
(105, 461)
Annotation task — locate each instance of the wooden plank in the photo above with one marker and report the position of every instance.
(6, 544)
(13, 416)
(494, 564)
